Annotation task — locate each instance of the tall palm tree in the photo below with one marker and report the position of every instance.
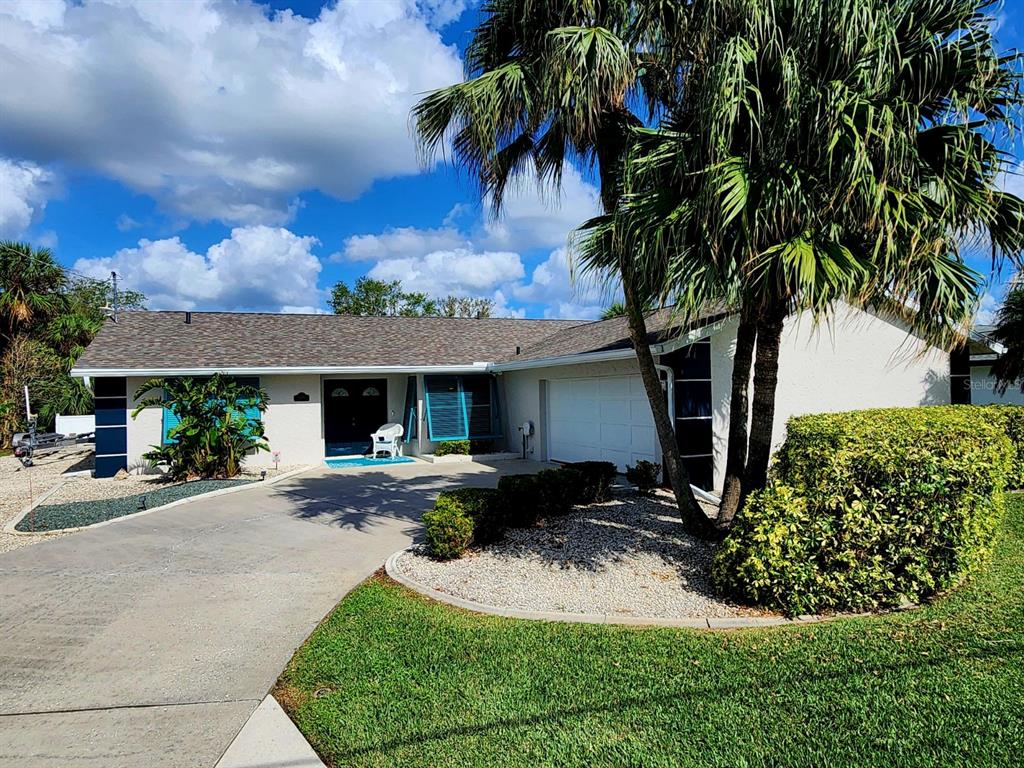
(554, 82)
(31, 285)
(823, 150)
(1009, 331)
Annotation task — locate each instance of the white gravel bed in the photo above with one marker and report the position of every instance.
(628, 556)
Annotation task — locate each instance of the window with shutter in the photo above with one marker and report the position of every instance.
(446, 410)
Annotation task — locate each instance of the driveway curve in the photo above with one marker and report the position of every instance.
(150, 642)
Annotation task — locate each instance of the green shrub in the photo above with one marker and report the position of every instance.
(1011, 419)
(644, 475)
(452, 447)
(596, 480)
(449, 530)
(482, 507)
(867, 509)
(557, 490)
(520, 500)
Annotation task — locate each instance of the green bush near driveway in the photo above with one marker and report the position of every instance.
(452, 448)
(596, 480)
(448, 529)
(644, 475)
(482, 507)
(869, 508)
(519, 496)
(391, 679)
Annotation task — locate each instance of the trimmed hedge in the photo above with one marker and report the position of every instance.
(1011, 419)
(452, 447)
(449, 530)
(519, 497)
(596, 478)
(482, 507)
(867, 509)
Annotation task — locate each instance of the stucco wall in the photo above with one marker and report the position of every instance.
(146, 429)
(522, 390)
(855, 361)
(983, 389)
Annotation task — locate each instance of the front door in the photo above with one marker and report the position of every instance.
(353, 410)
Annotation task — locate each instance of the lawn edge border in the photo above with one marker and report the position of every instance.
(617, 619)
(9, 527)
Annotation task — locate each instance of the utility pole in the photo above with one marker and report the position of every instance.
(113, 279)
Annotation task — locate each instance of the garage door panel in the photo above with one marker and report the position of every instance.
(613, 386)
(605, 417)
(615, 410)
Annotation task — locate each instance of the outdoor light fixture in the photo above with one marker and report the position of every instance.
(263, 474)
(142, 502)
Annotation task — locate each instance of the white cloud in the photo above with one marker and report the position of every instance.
(256, 268)
(987, 309)
(222, 110)
(461, 272)
(126, 223)
(402, 242)
(534, 220)
(565, 293)
(24, 190)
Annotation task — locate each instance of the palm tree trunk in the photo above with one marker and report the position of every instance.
(693, 517)
(766, 379)
(739, 416)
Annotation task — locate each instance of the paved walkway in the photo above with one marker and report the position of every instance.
(151, 641)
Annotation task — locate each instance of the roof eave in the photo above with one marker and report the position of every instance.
(87, 372)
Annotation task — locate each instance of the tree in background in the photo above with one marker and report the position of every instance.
(377, 298)
(1009, 331)
(615, 309)
(47, 318)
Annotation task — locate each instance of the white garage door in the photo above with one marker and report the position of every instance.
(604, 418)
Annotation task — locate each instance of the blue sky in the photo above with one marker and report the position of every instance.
(247, 156)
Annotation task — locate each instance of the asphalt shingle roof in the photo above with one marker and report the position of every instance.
(222, 340)
(611, 334)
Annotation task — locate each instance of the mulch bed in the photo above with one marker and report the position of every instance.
(54, 517)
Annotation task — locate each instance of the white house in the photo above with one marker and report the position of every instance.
(332, 380)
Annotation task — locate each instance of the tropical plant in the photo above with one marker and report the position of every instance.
(615, 309)
(31, 288)
(218, 424)
(1009, 331)
(644, 475)
(556, 82)
(821, 150)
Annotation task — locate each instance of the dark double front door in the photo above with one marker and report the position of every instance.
(353, 410)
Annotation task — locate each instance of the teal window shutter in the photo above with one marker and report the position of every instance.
(411, 424)
(171, 420)
(446, 408)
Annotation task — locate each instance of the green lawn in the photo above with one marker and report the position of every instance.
(392, 680)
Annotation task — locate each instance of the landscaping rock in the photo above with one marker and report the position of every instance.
(628, 556)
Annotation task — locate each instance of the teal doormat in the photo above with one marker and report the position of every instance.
(365, 462)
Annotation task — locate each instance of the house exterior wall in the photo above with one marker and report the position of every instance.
(857, 360)
(524, 399)
(983, 389)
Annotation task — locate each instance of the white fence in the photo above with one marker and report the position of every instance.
(75, 425)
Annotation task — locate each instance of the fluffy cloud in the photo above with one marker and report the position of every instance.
(461, 272)
(222, 110)
(564, 292)
(24, 189)
(256, 268)
(533, 218)
(400, 243)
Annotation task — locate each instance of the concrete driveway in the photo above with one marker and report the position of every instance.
(149, 642)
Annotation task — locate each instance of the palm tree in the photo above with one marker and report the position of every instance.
(31, 285)
(822, 150)
(1009, 331)
(555, 82)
